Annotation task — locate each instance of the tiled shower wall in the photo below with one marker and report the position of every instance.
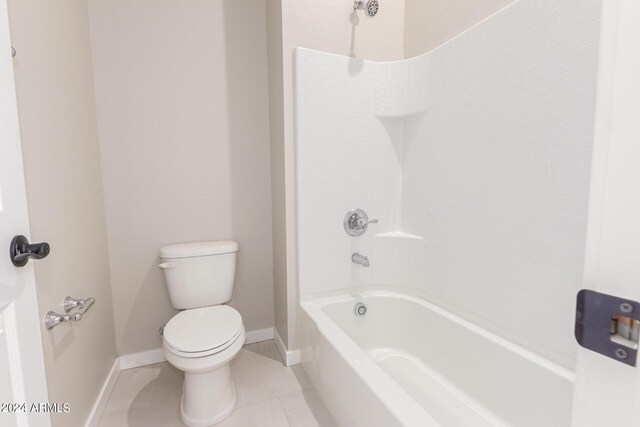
(476, 158)
(334, 168)
(496, 173)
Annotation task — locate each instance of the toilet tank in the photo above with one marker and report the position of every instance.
(199, 274)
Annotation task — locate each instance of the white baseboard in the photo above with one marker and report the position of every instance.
(149, 357)
(290, 357)
(103, 396)
(143, 358)
(259, 335)
(126, 361)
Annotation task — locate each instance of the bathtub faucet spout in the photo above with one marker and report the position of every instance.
(360, 259)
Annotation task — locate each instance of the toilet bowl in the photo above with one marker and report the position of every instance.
(202, 339)
(201, 342)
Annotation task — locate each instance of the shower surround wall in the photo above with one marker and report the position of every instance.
(334, 27)
(476, 159)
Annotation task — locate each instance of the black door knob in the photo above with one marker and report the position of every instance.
(21, 250)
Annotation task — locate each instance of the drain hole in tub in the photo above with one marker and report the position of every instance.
(360, 309)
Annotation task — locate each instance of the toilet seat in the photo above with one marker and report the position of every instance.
(203, 331)
(205, 353)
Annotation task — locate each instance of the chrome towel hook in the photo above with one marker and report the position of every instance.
(13, 52)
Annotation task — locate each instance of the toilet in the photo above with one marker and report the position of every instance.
(202, 339)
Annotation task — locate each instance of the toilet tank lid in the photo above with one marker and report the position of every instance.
(185, 250)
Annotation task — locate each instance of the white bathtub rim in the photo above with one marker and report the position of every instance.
(382, 291)
(406, 410)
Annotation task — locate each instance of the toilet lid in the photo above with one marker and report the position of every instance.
(202, 329)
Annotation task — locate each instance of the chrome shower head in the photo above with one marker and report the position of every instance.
(370, 7)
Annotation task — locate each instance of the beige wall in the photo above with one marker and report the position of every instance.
(276, 138)
(61, 158)
(330, 27)
(181, 90)
(429, 23)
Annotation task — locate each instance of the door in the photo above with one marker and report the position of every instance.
(22, 375)
(607, 392)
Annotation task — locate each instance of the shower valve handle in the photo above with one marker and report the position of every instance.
(356, 222)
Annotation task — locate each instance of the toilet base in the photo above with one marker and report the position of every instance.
(207, 398)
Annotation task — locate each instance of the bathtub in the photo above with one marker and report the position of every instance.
(409, 362)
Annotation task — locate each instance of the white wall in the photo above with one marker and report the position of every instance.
(181, 91)
(55, 91)
(489, 174)
(335, 171)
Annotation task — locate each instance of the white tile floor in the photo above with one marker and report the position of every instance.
(269, 394)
